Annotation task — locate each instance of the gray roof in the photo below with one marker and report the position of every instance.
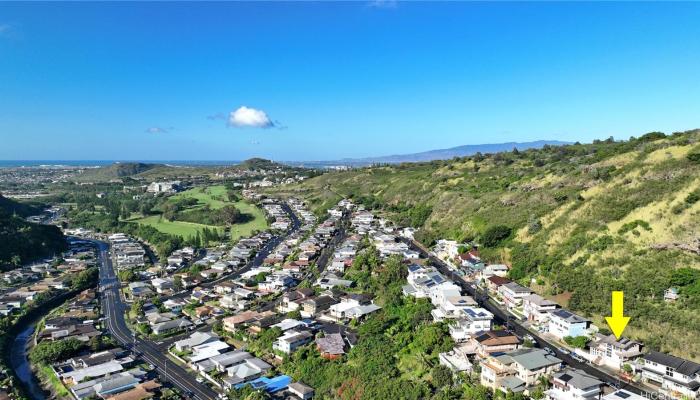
(685, 367)
(332, 343)
(530, 359)
(111, 385)
(568, 316)
(231, 358)
(577, 379)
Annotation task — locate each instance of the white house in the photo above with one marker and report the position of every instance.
(563, 323)
(513, 294)
(471, 320)
(536, 308)
(676, 376)
(574, 384)
(614, 353)
(292, 340)
(352, 306)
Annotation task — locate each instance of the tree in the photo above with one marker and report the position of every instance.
(85, 279)
(177, 283)
(137, 307)
(495, 235)
(441, 375)
(229, 215)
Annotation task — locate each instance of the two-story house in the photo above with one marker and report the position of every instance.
(517, 371)
(470, 321)
(563, 323)
(513, 294)
(536, 308)
(613, 353)
(574, 384)
(676, 377)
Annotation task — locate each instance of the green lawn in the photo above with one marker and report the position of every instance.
(215, 197)
(257, 223)
(47, 375)
(180, 228)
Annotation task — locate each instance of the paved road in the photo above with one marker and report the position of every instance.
(113, 308)
(502, 317)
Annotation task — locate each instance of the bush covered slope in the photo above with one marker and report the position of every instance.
(574, 222)
(21, 241)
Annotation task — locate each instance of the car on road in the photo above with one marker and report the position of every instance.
(563, 350)
(578, 357)
(200, 379)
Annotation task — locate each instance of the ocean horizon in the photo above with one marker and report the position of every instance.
(101, 163)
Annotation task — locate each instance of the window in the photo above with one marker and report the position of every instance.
(669, 371)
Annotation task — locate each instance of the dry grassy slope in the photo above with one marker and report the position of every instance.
(593, 203)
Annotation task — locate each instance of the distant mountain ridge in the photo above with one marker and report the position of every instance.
(443, 154)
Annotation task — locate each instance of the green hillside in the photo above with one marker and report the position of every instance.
(574, 222)
(21, 241)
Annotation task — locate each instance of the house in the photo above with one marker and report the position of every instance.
(231, 324)
(675, 376)
(493, 283)
(487, 342)
(513, 294)
(162, 285)
(353, 306)
(174, 305)
(622, 394)
(517, 370)
(331, 281)
(574, 384)
(471, 320)
(291, 301)
(456, 360)
(300, 391)
(313, 306)
(671, 295)
(536, 308)
(224, 361)
(452, 307)
(291, 340)
(205, 351)
(247, 371)
(196, 339)
(494, 270)
(171, 326)
(269, 385)
(331, 346)
(94, 371)
(613, 353)
(140, 289)
(563, 323)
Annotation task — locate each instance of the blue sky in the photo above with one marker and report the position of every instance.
(329, 80)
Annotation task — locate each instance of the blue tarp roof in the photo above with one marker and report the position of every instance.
(270, 385)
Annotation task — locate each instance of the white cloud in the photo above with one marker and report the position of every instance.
(383, 3)
(249, 117)
(6, 29)
(157, 129)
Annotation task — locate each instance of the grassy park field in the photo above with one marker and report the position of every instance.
(215, 197)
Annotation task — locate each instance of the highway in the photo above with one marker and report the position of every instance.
(113, 309)
(512, 323)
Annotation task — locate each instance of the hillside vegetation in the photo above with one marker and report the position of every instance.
(575, 222)
(22, 241)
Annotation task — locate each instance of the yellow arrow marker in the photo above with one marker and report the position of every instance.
(617, 321)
